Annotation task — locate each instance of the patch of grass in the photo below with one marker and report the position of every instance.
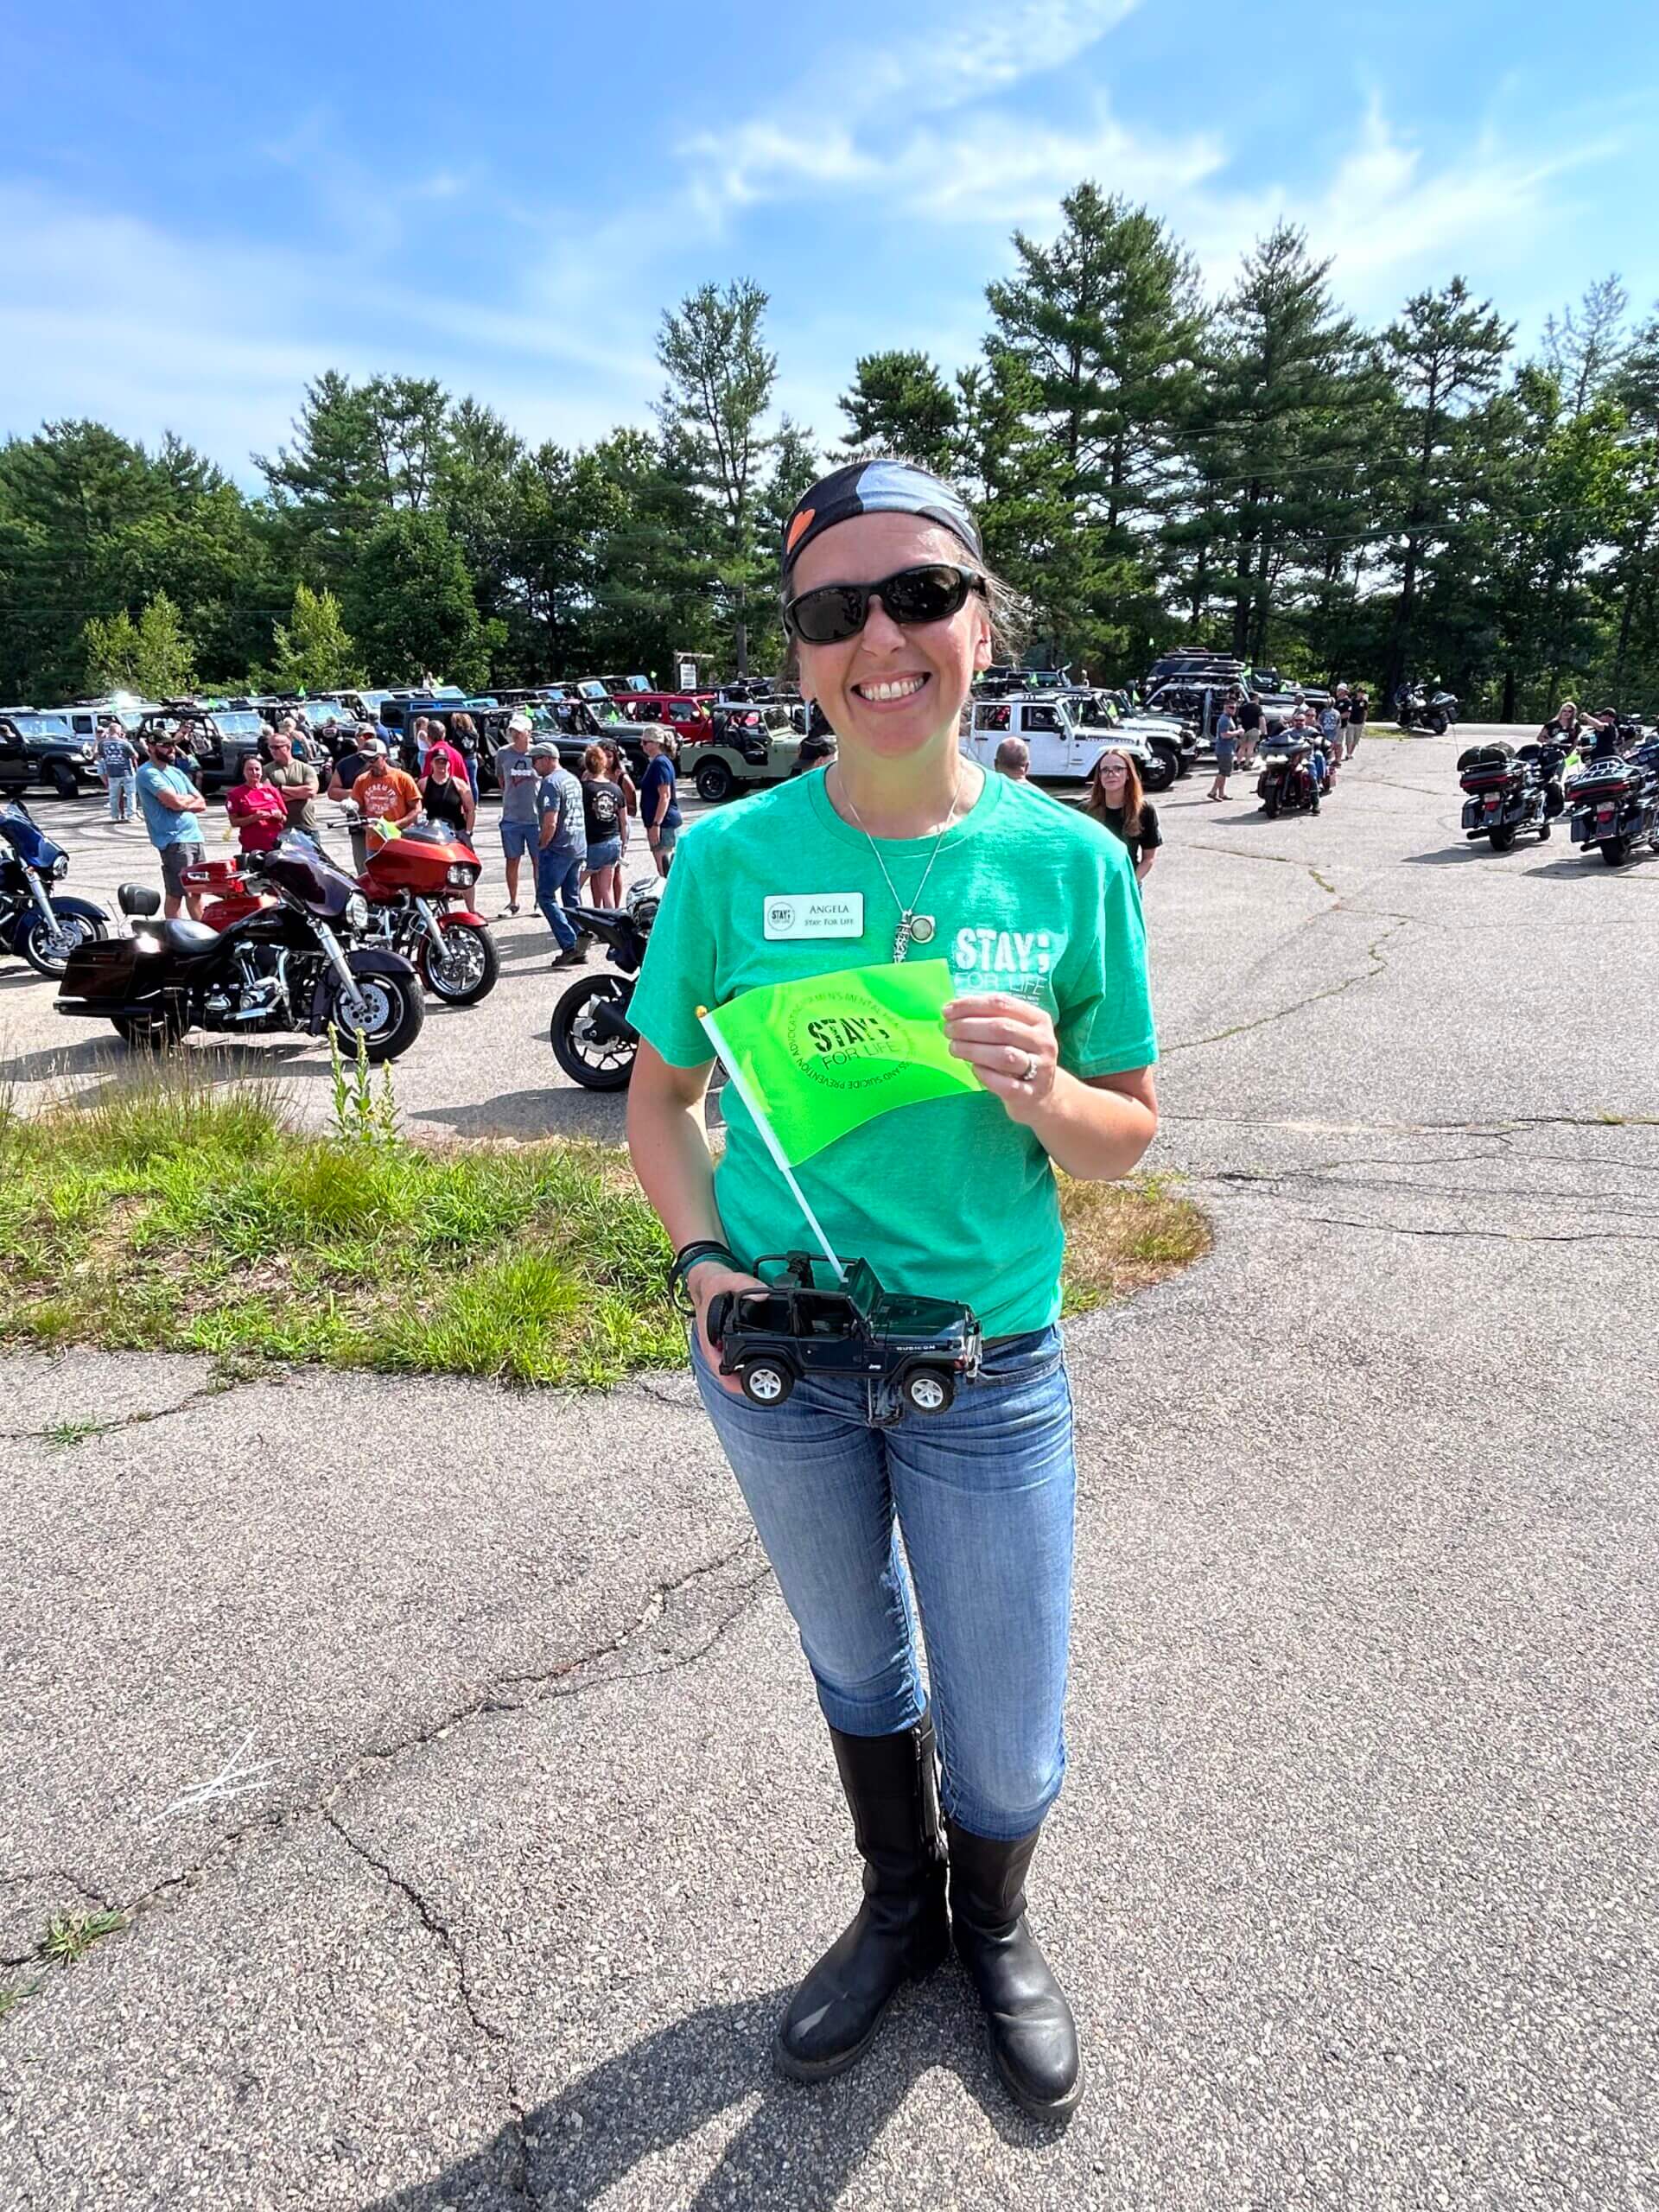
(70, 1935)
(166, 1215)
(12, 1994)
(1121, 1237)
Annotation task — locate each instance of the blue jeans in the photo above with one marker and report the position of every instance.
(984, 1495)
(558, 880)
(123, 796)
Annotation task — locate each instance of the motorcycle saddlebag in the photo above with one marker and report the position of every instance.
(105, 972)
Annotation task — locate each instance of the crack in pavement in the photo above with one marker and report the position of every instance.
(1337, 1174)
(221, 1386)
(513, 2095)
(1503, 1125)
(552, 1682)
(1496, 1235)
(1378, 967)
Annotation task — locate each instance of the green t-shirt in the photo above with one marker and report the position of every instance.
(947, 1198)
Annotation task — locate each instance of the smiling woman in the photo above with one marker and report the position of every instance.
(889, 603)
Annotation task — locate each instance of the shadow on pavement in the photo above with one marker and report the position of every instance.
(555, 1112)
(800, 2143)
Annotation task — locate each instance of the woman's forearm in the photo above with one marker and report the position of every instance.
(670, 1158)
(1095, 1136)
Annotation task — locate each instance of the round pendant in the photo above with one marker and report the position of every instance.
(921, 929)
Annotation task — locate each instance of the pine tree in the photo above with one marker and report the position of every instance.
(713, 410)
(900, 403)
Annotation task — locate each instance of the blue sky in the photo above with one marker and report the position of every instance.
(202, 207)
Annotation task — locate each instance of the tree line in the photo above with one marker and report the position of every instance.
(1253, 472)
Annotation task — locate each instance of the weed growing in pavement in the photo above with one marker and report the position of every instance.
(361, 1114)
(66, 1433)
(167, 1215)
(70, 1935)
(12, 1994)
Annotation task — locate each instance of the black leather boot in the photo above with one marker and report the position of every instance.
(900, 1932)
(1033, 2037)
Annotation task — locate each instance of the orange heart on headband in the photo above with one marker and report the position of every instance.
(802, 521)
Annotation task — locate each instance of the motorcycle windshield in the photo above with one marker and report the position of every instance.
(296, 866)
(31, 846)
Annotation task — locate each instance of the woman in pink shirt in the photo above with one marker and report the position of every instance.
(257, 810)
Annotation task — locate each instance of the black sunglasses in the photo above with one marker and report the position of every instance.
(836, 612)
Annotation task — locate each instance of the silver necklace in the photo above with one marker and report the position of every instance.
(913, 927)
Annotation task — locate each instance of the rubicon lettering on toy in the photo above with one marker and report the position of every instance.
(808, 914)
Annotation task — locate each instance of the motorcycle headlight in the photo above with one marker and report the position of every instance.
(357, 912)
(461, 875)
(60, 865)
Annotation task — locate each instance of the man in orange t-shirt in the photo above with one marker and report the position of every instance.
(384, 795)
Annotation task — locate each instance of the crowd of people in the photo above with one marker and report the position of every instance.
(1331, 734)
(573, 830)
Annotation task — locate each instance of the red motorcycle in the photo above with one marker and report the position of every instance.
(408, 885)
(411, 882)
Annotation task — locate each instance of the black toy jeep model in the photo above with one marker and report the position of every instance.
(805, 1323)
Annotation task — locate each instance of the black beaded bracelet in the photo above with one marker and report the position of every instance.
(688, 1256)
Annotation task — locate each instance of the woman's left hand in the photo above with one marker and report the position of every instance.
(1010, 1043)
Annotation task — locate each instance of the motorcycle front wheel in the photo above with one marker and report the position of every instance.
(47, 950)
(393, 1011)
(1438, 724)
(468, 967)
(597, 1063)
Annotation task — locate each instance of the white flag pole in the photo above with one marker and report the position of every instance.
(758, 1115)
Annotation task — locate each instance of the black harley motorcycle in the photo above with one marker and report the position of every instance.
(1417, 706)
(1615, 803)
(1286, 783)
(1507, 792)
(284, 967)
(593, 1039)
(40, 928)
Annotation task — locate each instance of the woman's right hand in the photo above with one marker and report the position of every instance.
(705, 1283)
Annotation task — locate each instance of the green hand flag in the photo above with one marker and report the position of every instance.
(821, 1057)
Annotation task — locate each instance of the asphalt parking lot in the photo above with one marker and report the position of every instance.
(1354, 1880)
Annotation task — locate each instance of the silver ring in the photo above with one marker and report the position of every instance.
(1030, 1075)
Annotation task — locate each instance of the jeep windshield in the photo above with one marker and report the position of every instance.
(236, 724)
(44, 730)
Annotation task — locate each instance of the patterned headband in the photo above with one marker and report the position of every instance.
(877, 487)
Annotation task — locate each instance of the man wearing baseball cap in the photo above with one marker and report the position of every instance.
(387, 798)
(563, 848)
(520, 821)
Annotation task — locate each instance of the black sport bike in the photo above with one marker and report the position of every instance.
(593, 1039)
(283, 968)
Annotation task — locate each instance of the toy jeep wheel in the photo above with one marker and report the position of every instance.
(766, 1382)
(926, 1391)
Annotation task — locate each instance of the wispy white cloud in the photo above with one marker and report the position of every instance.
(116, 318)
(857, 113)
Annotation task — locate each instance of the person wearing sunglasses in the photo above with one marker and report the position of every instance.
(172, 805)
(914, 853)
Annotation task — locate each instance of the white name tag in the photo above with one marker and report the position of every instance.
(817, 913)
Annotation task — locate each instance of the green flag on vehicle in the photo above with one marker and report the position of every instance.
(812, 1060)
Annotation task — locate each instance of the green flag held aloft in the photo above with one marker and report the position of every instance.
(823, 1056)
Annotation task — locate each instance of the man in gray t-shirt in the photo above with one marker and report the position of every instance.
(517, 774)
(563, 850)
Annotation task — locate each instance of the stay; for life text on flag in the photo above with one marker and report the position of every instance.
(822, 1056)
